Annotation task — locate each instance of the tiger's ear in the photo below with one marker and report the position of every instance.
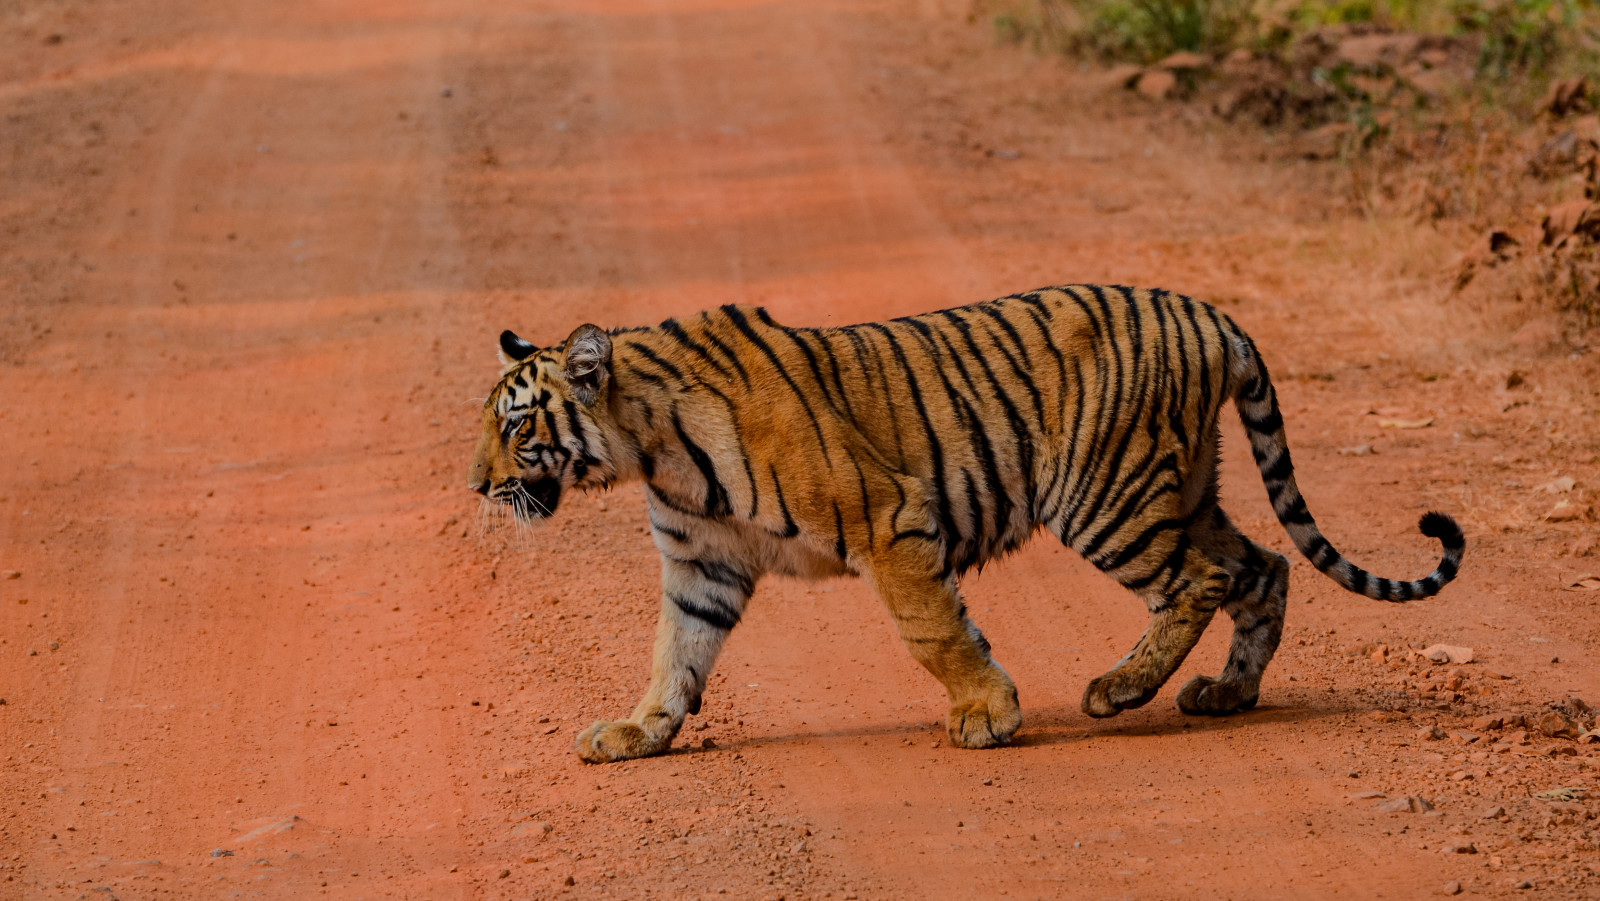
(514, 349)
(587, 363)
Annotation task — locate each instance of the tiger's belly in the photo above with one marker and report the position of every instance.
(700, 538)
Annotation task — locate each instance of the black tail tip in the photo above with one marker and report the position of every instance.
(1441, 526)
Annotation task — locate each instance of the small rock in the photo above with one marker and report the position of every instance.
(447, 91)
(504, 874)
(1430, 733)
(1587, 546)
(1486, 723)
(1465, 737)
(1562, 485)
(1157, 84)
(1360, 450)
(1493, 813)
(221, 852)
(1452, 887)
(707, 744)
(1567, 511)
(1491, 249)
(1006, 154)
(1325, 142)
(538, 830)
(1123, 77)
(11, 574)
(1523, 884)
(1405, 424)
(1363, 796)
(1405, 805)
(988, 781)
(1566, 96)
(1585, 582)
(1564, 220)
(1468, 848)
(1557, 725)
(1183, 60)
(1445, 653)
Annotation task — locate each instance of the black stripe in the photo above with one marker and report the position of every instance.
(716, 495)
(712, 613)
(789, 528)
(720, 573)
(1265, 425)
(743, 325)
(675, 534)
(676, 332)
(656, 359)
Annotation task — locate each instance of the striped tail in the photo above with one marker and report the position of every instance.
(1257, 403)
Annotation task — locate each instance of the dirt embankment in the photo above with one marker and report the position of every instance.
(253, 644)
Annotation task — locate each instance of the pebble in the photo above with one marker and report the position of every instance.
(11, 574)
(221, 852)
(1406, 805)
(1493, 813)
(1452, 887)
(1430, 733)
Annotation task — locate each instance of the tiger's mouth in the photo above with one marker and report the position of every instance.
(531, 499)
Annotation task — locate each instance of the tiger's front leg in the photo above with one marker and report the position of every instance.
(701, 602)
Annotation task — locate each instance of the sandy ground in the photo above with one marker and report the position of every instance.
(253, 262)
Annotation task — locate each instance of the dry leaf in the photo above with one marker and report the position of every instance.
(1405, 423)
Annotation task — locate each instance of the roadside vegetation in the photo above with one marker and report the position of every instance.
(1475, 115)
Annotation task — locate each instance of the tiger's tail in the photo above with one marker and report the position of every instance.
(1257, 403)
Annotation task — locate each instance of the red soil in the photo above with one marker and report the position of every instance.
(254, 263)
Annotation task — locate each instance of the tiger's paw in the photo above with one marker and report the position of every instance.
(1112, 693)
(1205, 696)
(606, 742)
(986, 722)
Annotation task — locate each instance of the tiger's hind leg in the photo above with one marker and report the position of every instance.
(1182, 587)
(1256, 602)
(933, 624)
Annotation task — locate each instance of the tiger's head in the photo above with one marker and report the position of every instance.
(545, 426)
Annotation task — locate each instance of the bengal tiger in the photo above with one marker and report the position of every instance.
(909, 452)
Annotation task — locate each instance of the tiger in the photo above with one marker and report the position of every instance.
(910, 451)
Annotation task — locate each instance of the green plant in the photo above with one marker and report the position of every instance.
(1147, 30)
(1518, 35)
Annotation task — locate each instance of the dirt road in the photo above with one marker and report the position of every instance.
(253, 266)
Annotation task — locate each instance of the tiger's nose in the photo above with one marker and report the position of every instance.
(480, 485)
